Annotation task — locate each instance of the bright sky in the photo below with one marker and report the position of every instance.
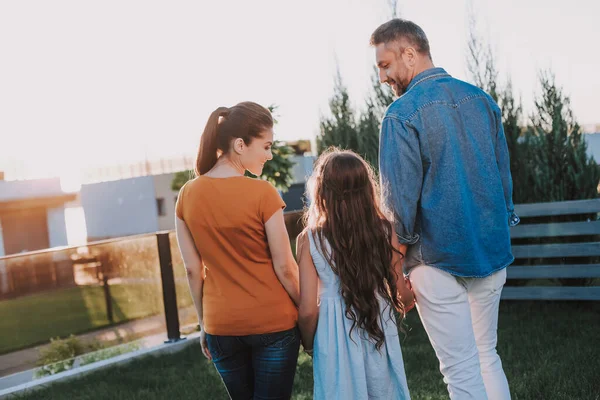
(97, 83)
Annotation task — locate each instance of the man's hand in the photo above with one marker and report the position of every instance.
(408, 284)
(411, 305)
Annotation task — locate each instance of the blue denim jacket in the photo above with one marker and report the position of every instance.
(445, 175)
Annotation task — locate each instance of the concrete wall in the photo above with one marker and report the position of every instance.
(129, 206)
(302, 169)
(162, 190)
(120, 208)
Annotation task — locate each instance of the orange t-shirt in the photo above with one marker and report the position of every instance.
(226, 217)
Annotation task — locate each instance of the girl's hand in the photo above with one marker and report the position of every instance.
(309, 352)
(408, 299)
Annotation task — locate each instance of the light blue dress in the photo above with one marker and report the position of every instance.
(352, 370)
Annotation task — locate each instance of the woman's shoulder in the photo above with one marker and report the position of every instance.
(262, 184)
(191, 182)
(235, 180)
(205, 180)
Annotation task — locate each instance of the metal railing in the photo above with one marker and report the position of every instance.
(79, 289)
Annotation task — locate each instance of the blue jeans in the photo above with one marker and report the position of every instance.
(256, 366)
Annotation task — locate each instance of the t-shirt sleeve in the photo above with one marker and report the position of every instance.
(271, 201)
(179, 205)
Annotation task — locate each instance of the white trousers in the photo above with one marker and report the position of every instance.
(460, 316)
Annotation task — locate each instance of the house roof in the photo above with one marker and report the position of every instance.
(26, 194)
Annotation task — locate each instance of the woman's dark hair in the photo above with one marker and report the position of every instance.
(345, 212)
(245, 120)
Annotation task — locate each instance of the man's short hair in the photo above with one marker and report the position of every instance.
(397, 29)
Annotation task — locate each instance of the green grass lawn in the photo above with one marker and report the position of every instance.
(31, 320)
(550, 351)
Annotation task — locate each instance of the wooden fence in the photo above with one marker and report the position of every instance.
(558, 242)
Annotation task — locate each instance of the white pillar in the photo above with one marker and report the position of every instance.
(1, 241)
(3, 277)
(57, 227)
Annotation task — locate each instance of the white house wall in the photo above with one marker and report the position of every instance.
(120, 208)
(57, 230)
(593, 145)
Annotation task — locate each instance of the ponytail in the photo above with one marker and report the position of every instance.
(209, 142)
(246, 120)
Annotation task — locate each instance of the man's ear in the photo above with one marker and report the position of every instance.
(410, 56)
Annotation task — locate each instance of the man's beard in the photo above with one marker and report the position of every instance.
(398, 88)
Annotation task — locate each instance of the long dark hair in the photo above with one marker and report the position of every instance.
(345, 211)
(245, 120)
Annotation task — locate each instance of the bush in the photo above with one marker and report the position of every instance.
(61, 354)
(111, 352)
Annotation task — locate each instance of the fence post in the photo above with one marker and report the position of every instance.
(168, 287)
(106, 290)
(109, 311)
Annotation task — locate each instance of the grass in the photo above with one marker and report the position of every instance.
(549, 350)
(34, 319)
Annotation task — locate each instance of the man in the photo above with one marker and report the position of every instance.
(445, 176)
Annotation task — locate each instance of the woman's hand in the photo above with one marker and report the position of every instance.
(284, 265)
(204, 345)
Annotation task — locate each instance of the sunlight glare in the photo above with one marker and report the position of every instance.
(76, 229)
(70, 182)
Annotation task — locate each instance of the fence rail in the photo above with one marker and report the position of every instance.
(132, 274)
(576, 256)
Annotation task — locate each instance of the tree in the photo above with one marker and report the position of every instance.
(378, 100)
(278, 171)
(560, 166)
(180, 179)
(562, 169)
(481, 62)
(340, 128)
(369, 127)
(481, 65)
(519, 145)
(368, 135)
(358, 132)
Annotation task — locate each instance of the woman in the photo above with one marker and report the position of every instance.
(235, 247)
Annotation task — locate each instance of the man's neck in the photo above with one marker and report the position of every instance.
(424, 66)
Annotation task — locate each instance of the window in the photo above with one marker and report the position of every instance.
(160, 206)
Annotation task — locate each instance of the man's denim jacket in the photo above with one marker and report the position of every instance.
(445, 176)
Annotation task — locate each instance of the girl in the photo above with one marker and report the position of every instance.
(350, 278)
(235, 246)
